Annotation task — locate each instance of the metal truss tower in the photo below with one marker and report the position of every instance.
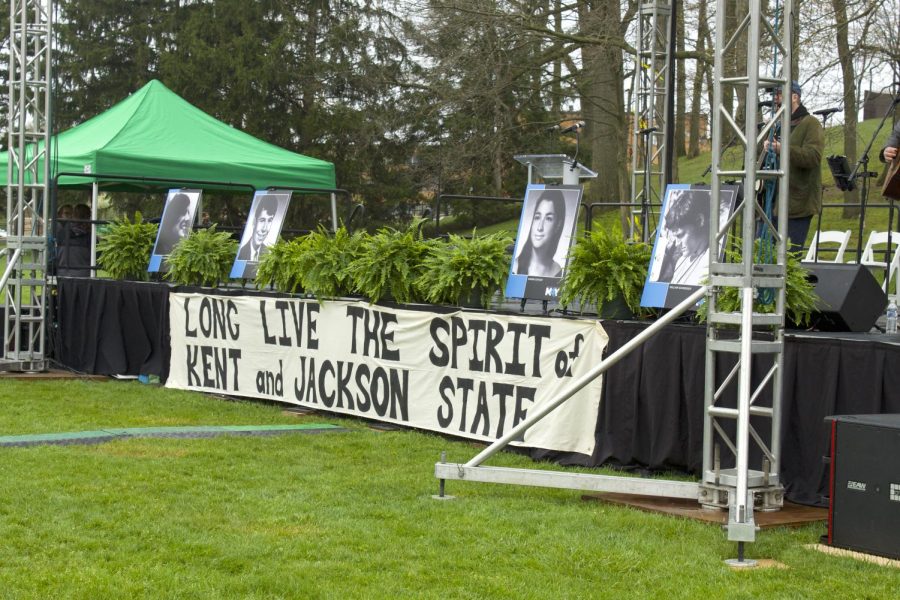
(24, 280)
(651, 112)
(744, 348)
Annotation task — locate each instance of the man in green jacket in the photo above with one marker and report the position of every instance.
(807, 146)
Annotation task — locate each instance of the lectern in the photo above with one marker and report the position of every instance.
(555, 166)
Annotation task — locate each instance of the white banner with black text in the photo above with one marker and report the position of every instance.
(469, 374)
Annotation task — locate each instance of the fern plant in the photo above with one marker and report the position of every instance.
(603, 267)
(278, 266)
(799, 296)
(324, 264)
(203, 258)
(125, 247)
(464, 267)
(389, 262)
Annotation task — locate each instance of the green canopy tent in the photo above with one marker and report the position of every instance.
(154, 139)
(154, 133)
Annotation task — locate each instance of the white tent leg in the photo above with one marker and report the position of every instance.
(334, 219)
(95, 193)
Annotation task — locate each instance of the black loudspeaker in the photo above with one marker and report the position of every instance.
(864, 491)
(850, 298)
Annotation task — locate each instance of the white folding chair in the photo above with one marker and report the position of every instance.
(841, 238)
(871, 255)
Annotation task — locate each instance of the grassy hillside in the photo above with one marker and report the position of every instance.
(876, 218)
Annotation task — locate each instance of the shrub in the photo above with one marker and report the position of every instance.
(325, 263)
(124, 250)
(278, 266)
(603, 267)
(463, 267)
(389, 262)
(203, 258)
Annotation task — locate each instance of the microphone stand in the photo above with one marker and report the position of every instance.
(824, 114)
(864, 193)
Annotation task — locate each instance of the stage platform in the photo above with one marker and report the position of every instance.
(651, 414)
(790, 515)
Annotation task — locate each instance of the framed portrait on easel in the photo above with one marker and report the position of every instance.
(261, 230)
(680, 260)
(546, 231)
(176, 224)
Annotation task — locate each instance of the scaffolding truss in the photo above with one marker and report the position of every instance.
(24, 281)
(741, 339)
(651, 100)
(742, 408)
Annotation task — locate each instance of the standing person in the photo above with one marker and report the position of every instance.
(547, 222)
(175, 225)
(263, 217)
(807, 145)
(889, 152)
(74, 254)
(685, 259)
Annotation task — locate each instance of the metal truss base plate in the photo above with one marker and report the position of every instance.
(734, 563)
(765, 498)
(22, 366)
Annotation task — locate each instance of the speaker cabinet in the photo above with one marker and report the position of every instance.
(850, 298)
(864, 497)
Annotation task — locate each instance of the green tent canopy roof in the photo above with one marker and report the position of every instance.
(154, 133)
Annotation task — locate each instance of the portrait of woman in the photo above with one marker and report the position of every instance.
(176, 223)
(548, 220)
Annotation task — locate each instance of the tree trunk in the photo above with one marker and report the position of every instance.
(601, 89)
(851, 113)
(680, 90)
(699, 69)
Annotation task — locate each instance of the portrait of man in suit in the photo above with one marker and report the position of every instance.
(261, 231)
(261, 222)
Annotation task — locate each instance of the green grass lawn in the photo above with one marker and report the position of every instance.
(337, 515)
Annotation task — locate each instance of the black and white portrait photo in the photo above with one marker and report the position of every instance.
(261, 230)
(684, 238)
(175, 225)
(681, 251)
(542, 244)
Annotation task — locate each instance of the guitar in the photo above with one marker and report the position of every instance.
(891, 188)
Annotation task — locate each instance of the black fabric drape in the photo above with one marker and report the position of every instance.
(109, 327)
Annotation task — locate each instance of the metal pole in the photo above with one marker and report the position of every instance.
(334, 217)
(612, 359)
(95, 197)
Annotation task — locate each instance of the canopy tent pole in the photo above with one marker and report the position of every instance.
(95, 194)
(334, 217)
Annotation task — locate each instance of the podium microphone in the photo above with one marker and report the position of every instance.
(826, 111)
(573, 127)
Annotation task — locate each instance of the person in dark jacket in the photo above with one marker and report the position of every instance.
(889, 152)
(807, 146)
(74, 250)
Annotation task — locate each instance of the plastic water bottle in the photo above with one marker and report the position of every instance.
(890, 325)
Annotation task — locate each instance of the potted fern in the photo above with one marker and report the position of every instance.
(388, 263)
(125, 247)
(279, 268)
(325, 262)
(203, 258)
(607, 271)
(465, 271)
(800, 297)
